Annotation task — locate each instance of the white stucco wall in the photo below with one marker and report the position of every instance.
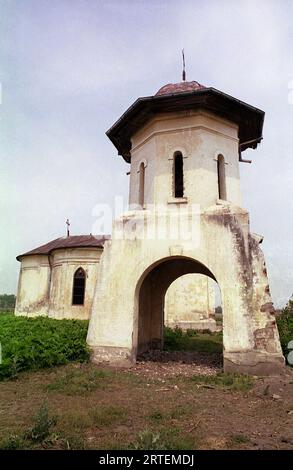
(132, 282)
(45, 288)
(33, 286)
(200, 137)
(190, 302)
(64, 264)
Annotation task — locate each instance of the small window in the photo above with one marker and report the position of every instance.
(221, 178)
(78, 287)
(141, 184)
(178, 174)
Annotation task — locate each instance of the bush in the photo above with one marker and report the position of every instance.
(172, 338)
(42, 424)
(12, 442)
(168, 438)
(285, 326)
(192, 340)
(190, 332)
(34, 343)
(149, 440)
(7, 301)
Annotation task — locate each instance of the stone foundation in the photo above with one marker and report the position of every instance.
(248, 363)
(111, 355)
(254, 363)
(200, 325)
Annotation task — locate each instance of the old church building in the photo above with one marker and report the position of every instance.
(184, 146)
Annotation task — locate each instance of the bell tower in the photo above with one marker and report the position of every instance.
(189, 156)
(184, 148)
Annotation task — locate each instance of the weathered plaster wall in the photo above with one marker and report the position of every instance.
(225, 250)
(201, 137)
(64, 264)
(33, 286)
(190, 303)
(46, 288)
(137, 267)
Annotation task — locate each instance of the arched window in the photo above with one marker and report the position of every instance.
(78, 287)
(178, 183)
(221, 178)
(141, 184)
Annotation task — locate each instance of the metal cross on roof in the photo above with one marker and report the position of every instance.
(68, 225)
(183, 71)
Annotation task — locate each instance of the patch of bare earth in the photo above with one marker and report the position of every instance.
(105, 408)
(159, 364)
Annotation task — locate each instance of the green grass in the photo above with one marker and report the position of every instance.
(166, 438)
(191, 340)
(230, 381)
(39, 432)
(239, 439)
(107, 415)
(73, 442)
(35, 343)
(13, 442)
(158, 416)
(78, 382)
(6, 311)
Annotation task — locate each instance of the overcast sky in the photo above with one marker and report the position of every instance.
(68, 70)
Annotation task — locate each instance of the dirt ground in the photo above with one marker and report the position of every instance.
(168, 400)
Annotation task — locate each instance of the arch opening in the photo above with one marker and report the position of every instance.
(78, 289)
(222, 192)
(141, 184)
(190, 303)
(178, 177)
(152, 300)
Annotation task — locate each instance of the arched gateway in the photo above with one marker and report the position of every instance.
(150, 296)
(186, 224)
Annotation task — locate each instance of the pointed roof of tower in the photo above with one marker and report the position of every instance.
(186, 96)
(181, 87)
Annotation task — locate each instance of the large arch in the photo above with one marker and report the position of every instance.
(150, 294)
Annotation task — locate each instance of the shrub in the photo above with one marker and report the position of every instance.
(12, 442)
(34, 343)
(285, 326)
(168, 438)
(149, 440)
(7, 301)
(42, 424)
(192, 340)
(73, 442)
(172, 338)
(190, 332)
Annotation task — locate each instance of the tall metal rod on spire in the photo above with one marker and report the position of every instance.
(183, 71)
(68, 225)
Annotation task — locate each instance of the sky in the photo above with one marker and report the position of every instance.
(70, 68)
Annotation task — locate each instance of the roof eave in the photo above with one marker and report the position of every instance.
(125, 149)
(19, 257)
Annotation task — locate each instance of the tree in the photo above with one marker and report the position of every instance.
(285, 326)
(7, 301)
